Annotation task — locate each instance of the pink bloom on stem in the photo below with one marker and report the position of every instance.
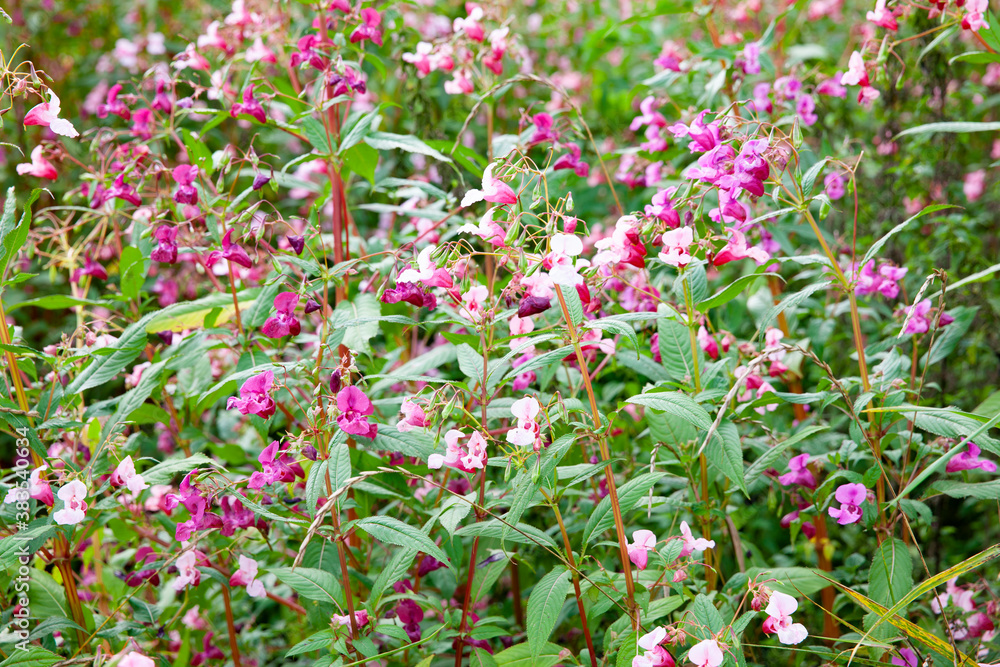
(142, 124)
(834, 184)
(494, 190)
(706, 654)
(527, 432)
(467, 458)
(125, 475)
(543, 130)
(653, 655)
(124, 191)
(90, 268)
(427, 271)
(751, 58)
(247, 576)
(231, 252)
(369, 28)
(39, 167)
(185, 175)
(355, 408)
(74, 497)
(487, 229)
(474, 302)
(917, 321)
(255, 396)
(692, 544)
(360, 617)
(166, 249)
(460, 84)
(969, 460)
(38, 489)
(259, 52)
(799, 473)
(883, 17)
(638, 550)
(973, 185)
(662, 208)
(275, 467)
(832, 87)
(283, 322)
(975, 12)
(856, 73)
(135, 659)
(188, 573)
(675, 247)
(249, 106)
(850, 497)
(907, 658)
(46, 114)
(471, 25)
(707, 343)
(736, 248)
(572, 161)
(413, 416)
(779, 610)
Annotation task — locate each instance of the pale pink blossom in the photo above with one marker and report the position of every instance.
(675, 246)
(643, 541)
(39, 167)
(247, 576)
(74, 497)
(691, 543)
(125, 475)
(494, 190)
(706, 653)
(46, 114)
(779, 610)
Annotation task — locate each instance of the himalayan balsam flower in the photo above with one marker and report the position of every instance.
(125, 475)
(638, 550)
(247, 576)
(249, 106)
(74, 495)
(653, 655)
(275, 467)
(135, 659)
(494, 190)
(231, 252)
(427, 272)
(883, 17)
(360, 617)
(969, 460)
(526, 434)
(413, 416)
(692, 544)
(675, 247)
(255, 396)
(188, 573)
(283, 322)
(779, 611)
(166, 248)
(462, 457)
(39, 167)
(369, 28)
(560, 263)
(799, 473)
(355, 408)
(907, 658)
(38, 489)
(850, 497)
(46, 114)
(706, 654)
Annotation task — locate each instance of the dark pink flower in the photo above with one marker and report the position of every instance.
(355, 408)
(162, 101)
(185, 175)
(275, 468)
(38, 167)
(969, 460)
(113, 105)
(209, 651)
(283, 322)
(255, 396)
(142, 124)
(571, 160)
(250, 106)
(543, 130)
(231, 252)
(124, 191)
(850, 497)
(799, 473)
(410, 293)
(90, 268)
(369, 28)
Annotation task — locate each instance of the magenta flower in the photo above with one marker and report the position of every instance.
(46, 114)
(142, 124)
(308, 53)
(969, 460)
(275, 467)
(185, 175)
(235, 516)
(355, 408)
(707, 343)
(883, 17)
(136, 659)
(662, 208)
(39, 167)
(410, 293)
(751, 58)
(230, 251)
(209, 652)
(543, 130)
(494, 190)
(799, 473)
(917, 321)
(90, 268)
(736, 248)
(850, 497)
(691, 543)
(834, 184)
(255, 396)
(247, 576)
(166, 249)
(162, 101)
(38, 489)
(283, 322)
(907, 658)
(124, 191)
(572, 161)
(856, 74)
(112, 105)
(369, 28)
(676, 244)
(360, 617)
(643, 541)
(249, 106)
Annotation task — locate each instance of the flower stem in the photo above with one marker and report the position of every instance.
(232, 627)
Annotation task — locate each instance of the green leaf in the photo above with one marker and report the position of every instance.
(949, 337)
(393, 531)
(394, 571)
(794, 581)
(359, 317)
(521, 655)
(616, 326)
(166, 471)
(676, 404)
(198, 153)
(55, 302)
(706, 614)
(768, 458)
(124, 350)
(877, 246)
(730, 291)
(725, 453)
(952, 127)
(954, 425)
(416, 443)
(955, 489)
(573, 305)
(891, 574)
(675, 349)
(316, 134)
(358, 130)
(387, 141)
(629, 494)
(34, 656)
(310, 583)
(544, 604)
(790, 301)
(13, 238)
(470, 363)
(480, 658)
(362, 160)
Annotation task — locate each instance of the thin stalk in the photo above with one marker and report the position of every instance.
(576, 578)
(232, 627)
(606, 458)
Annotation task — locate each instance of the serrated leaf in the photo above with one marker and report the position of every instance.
(387, 141)
(393, 531)
(310, 583)
(725, 453)
(676, 404)
(629, 494)
(544, 604)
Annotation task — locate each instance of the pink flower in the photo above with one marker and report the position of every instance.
(255, 396)
(360, 617)
(706, 654)
(142, 124)
(247, 576)
(166, 249)
(39, 167)
(736, 248)
(494, 190)
(90, 268)
(883, 17)
(369, 28)
(124, 191)
(907, 658)
(692, 544)
(779, 611)
(973, 185)
(543, 130)
(654, 655)
(413, 416)
(274, 468)
(474, 302)
(834, 184)
(427, 271)
(799, 473)
(125, 475)
(917, 321)
(969, 460)
(355, 409)
(526, 434)
(643, 541)
(975, 11)
(250, 106)
(850, 497)
(185, 175)
(471, 25)
(46, 114)
(751, 58)
(259, 52)
(572, 161)
(467, 458)
(460, 84)
(560, 263)
(74, 497)
(856, 73)
(707, 343)
(283, 322)
(675, 247)
(231, 252)
(38, 489)
(960, 597)
(135, 659)
(662, 208)
(487, 229)
(188, 573)
(410, 293)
